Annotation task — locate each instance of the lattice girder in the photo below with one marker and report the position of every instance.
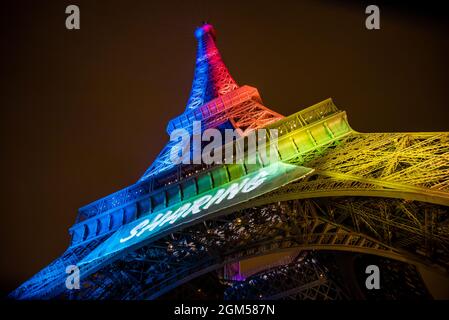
(347, 224)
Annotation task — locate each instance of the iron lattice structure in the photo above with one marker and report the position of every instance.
(385, 194)
(317, 276)
(303, 279)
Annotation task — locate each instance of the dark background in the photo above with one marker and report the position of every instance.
(83, 113)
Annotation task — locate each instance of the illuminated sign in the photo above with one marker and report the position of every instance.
(194, 207)
(230, 194)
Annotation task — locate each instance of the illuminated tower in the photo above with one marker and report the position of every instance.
(334, 189)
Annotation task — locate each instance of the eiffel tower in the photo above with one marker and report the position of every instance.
(335, 192)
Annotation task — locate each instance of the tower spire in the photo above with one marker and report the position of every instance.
(212, 78)
(215, 99)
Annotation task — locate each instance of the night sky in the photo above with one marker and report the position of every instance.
(83, 113)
